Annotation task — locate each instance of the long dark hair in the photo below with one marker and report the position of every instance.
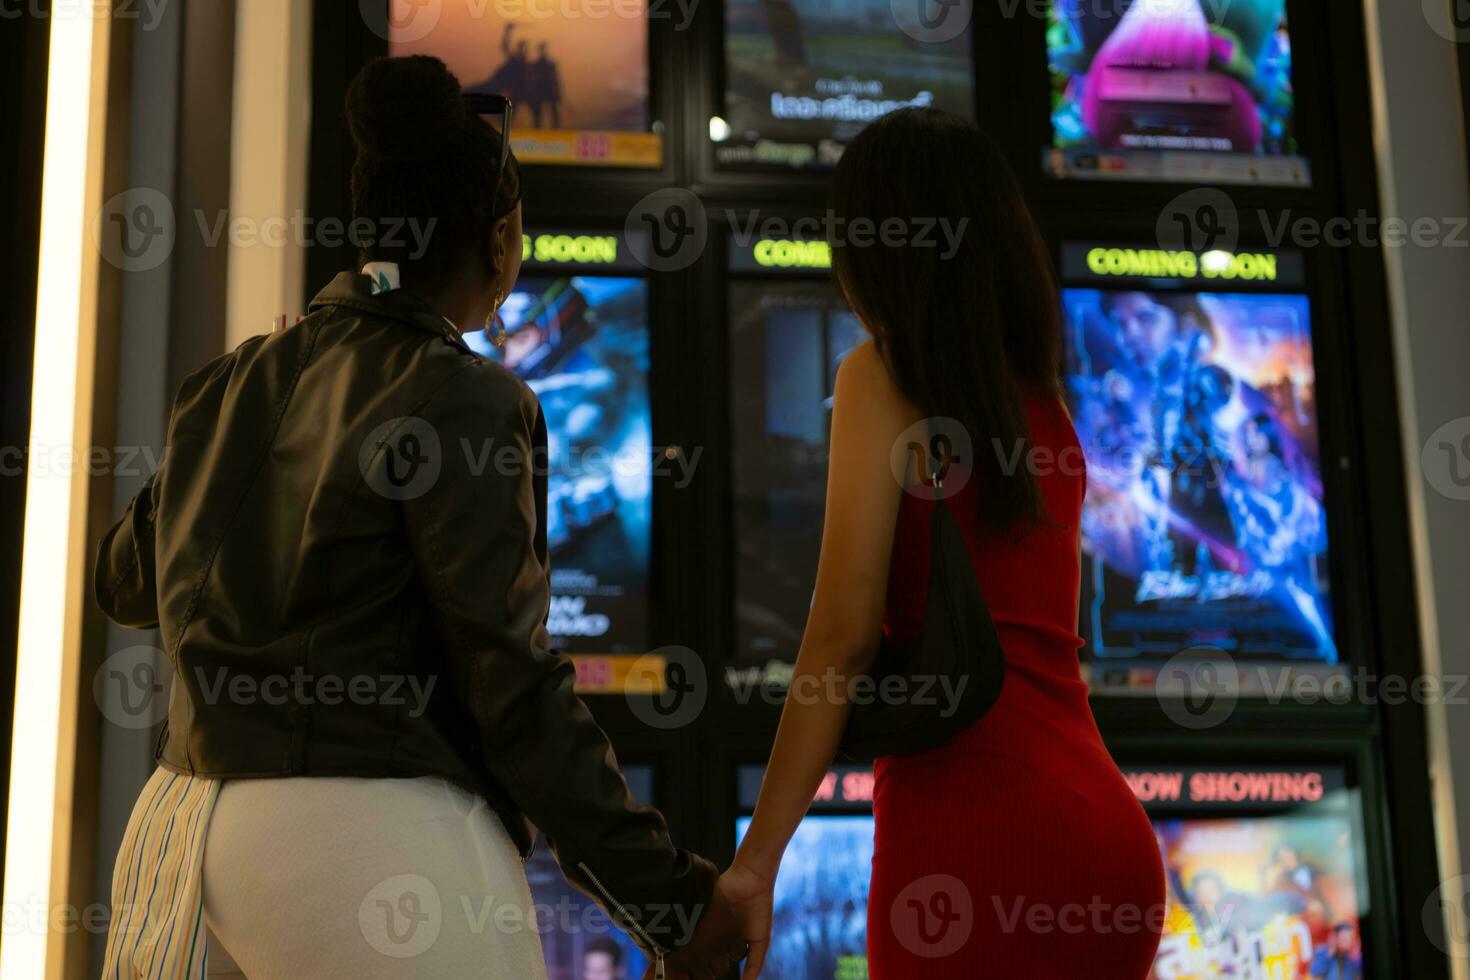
(423, 156)
(961, 325)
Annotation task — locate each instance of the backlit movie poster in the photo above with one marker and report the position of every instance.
(803, 77)
(1161, 89)
(582, 345)
(821, 900)
(1204, 524)
(577, 79)
(1260, 899)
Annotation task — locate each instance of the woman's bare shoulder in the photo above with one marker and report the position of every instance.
(863, 376)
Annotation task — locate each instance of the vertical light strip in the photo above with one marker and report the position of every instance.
(38, 827)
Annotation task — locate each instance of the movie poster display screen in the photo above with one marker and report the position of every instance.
(1195, 403)
(578, 939)
(1173, 90)
(1264, 870)
(820, 912)
(802, 77)
(578, 83)
(581, 342)
(787, 337)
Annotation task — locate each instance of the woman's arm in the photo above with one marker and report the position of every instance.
(869, 415)
(478, 538)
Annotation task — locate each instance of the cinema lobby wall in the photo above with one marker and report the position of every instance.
(212, 106)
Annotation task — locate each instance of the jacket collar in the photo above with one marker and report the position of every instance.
(354, 291)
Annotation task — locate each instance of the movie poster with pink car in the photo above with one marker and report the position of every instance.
(1173, 90)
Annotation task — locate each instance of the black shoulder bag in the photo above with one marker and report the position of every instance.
(958, 651)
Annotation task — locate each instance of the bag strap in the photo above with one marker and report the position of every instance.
(937, 481)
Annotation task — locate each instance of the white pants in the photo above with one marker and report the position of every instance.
(363, 878)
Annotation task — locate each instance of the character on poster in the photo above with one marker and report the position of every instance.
(578, 82)
(1259, 897)
(1183, 75)
(1204, 511)
(582, 345)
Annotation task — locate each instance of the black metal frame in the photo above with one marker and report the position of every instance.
(1385, 745)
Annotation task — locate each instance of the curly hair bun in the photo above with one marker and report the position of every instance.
(405, 108)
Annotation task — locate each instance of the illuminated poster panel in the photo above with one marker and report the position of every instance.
(1264, 869)
(803, 77)
(789, 331)
(577, 75)
(1173, 90)
(577, 332)
(1192, 385)
(821, 898)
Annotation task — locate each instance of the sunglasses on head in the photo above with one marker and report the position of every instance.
(494, 106)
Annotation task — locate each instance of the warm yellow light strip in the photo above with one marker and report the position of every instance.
(48, 654)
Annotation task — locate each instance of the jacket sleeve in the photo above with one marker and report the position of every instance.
(479, 538)
(124, 581)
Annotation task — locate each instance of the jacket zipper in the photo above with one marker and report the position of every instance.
(618, 912)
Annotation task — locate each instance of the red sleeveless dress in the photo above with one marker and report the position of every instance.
(1017, 850)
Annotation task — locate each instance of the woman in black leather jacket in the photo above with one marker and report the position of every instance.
(367, 725)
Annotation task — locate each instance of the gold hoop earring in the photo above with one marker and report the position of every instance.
(493, 320)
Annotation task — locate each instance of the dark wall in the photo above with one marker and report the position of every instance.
(206, 108)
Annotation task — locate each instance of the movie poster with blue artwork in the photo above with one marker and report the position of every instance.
(1204, 523)
(582, 344)
(820, 913)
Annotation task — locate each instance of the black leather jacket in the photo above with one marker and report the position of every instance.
(344, 552)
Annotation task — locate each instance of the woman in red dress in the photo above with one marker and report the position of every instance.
(1016, 850)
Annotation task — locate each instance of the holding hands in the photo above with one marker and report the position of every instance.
(737, 926)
